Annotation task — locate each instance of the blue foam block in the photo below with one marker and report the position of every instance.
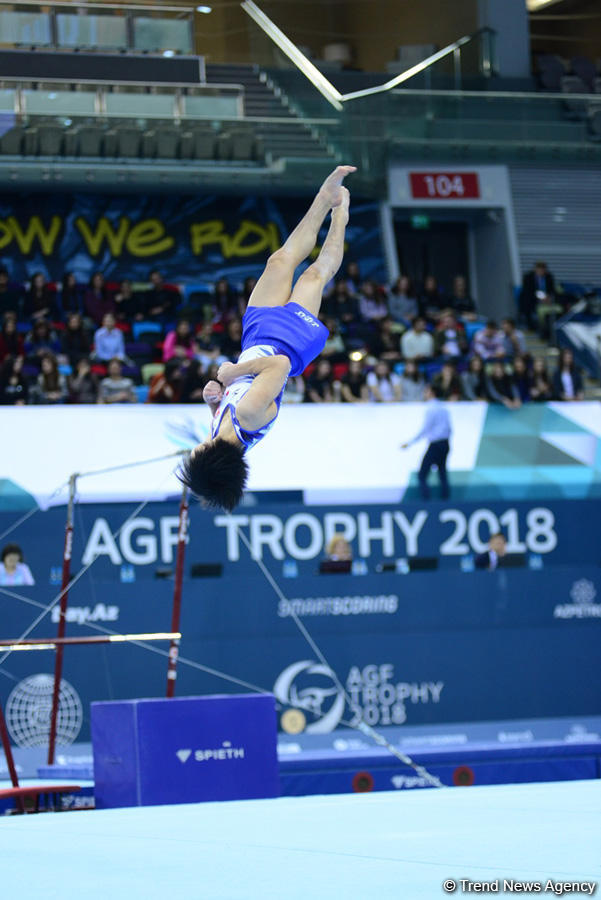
(185, 750)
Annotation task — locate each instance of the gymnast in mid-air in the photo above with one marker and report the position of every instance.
(281, 335)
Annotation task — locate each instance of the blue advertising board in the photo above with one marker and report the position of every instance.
(399, 649)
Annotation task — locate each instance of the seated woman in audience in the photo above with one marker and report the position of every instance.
(521, 378)
(41, 340)
(473, 381)
(11, 342)
(460, 300)
(208, 350)
(71, 295)
(448, 382)
(75, 341)
(386, 342)
(127, 303)
(338, 548)
(13, 571)
(40, 300)
(431, 300)
(115, 388)
(98, 300)
(193, 382)
(334, 348)
(372, 302)
(166, 386)
(83, 384)
(14, 389)
(567, 380)
(180, 342)
(501, 388)
(340, 304)
(353, 385)
(541, 388)
(319, 386)
(231, 343)
(384, 385)
(225, 301)
(51, 385)
(402, 301)
(413, 383)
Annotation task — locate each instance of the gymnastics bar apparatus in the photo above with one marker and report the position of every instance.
(59, 643)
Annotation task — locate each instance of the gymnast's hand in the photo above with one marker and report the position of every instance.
(212, 392)
(227, 373)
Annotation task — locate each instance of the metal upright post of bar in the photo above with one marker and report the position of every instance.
(10, 762)
(62, 621)
(177, 592)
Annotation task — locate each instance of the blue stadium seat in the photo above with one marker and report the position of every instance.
(139, 328)
(141, 392)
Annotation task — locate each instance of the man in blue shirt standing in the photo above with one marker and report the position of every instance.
(436, 430)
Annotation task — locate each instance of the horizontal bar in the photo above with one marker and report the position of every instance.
(53, 643)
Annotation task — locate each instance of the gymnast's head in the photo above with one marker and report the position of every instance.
(216, 472)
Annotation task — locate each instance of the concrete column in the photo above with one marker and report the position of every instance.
(509, 18)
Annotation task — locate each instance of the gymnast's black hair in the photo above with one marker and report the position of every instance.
(217, 474)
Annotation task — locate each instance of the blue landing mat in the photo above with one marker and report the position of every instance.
(357, 847)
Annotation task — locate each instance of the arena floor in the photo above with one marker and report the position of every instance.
(384, 845)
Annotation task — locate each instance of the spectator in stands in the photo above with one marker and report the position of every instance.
(338, 548)
(448, 383)
(14, 389)
(208, 346)
(115, 388)
(193, 382)
(334, 348)
(71, 295)
(372, 303)
(385, 343)
(159, 301)
(353, 385)
(11, 294)
(449, 338)
(501, 387)
(460, 301)
(41, 340)
(413, 383)
(567, 380)
(431, 300)
(83, 384)
(13, 571)
(98, 300)
(247, 289)
(497, 547)
(384, 386)
(513, 339)
(75, 342)
(488, 342)
(231, 343)
(166, 386)
(541, 388)
(353, 278)
(127, 304)
(522, 378)
(538, 287)
(11, 342)
(40, 300)
(341, 304)
(225, 301)
(180, 342)
(417, 343)
(108, 341)
(319, 385)
(402, 301)
(473, 381)
(51, 386)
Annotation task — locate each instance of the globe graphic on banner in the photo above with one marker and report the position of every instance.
(29, 707)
